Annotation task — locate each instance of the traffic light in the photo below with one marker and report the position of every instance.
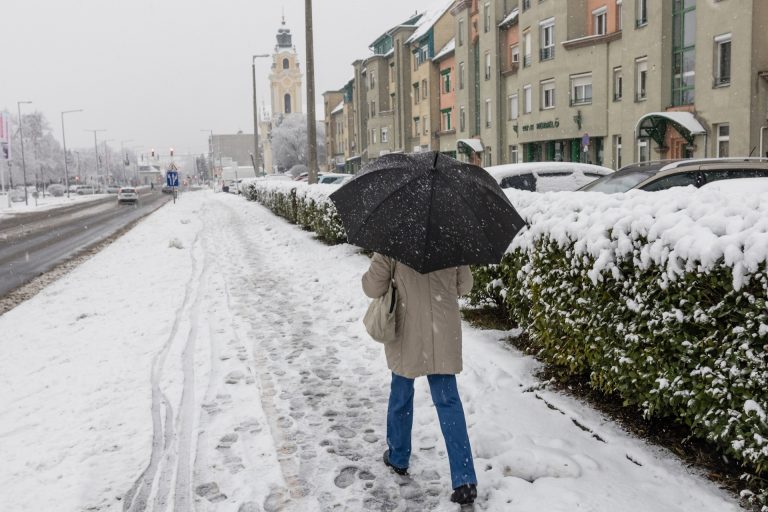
(171, 152)
(153, 153)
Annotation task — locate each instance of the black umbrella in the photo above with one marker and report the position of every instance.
(428, 211)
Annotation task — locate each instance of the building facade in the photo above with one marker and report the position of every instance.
(609, 82)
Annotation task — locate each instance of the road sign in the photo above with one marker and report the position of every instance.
(172, 178)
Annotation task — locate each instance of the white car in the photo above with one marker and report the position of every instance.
(332, 178)
(547, 176)
(127, 195)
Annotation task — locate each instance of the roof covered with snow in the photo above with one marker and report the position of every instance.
(429, 19)
(510, 19)
(446, 50)
(338, 108)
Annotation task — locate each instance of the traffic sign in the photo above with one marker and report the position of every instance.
(172, 178)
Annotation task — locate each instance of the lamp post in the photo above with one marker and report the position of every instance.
(64, 139)
(256, 155)
(21, 136)
(96, 150)
(123, 156)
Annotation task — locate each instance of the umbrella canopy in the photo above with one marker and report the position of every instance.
(428, 211)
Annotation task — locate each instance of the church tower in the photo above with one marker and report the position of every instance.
(285, 78)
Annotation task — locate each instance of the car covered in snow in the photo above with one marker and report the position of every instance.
(547, 176)
(56, 190)
(666, 174)
(333, 178)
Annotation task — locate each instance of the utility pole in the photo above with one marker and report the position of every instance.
(256, 155)
(311, 126)
(123, 157)
(96, 151)
(23, 162)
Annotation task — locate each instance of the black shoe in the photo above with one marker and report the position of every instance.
(464, 494)
(399, 471)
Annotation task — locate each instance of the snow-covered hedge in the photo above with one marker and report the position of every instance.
(660, 297)
(302, 204)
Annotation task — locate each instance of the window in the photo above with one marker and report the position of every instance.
(682, 179)
(547, 31)
(642, 13)
(488, 113)
(460, 32)
(415, 93)
(527, 99)
(643, 150)
(487, 65)
(373, 136)
(683, 51)
(723, 60)
(514, 155)
(462, 119)
(641, 76)
(581, 89)
(446, 80)
(513, 107)
(488, 158)
(617, 151)
(527, 49)
(618, 84)
(392, 72)
(426, 124)
(373, 108)
(416, 126)
(619, 11)
(286, 64)
(525, 181)
(600, 21)
(384, 135)
(424, 89)
(723, 140)
(548, 94)
(515, 52)
(373, 79)
(446, 124)
(287, 103)
(526, 5)
(461, 75)
(487, 17)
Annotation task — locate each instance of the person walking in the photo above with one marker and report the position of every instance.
(428, 343)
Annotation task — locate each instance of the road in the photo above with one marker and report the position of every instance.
(34, 243)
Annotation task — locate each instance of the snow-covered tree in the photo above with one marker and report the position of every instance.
(289, 141)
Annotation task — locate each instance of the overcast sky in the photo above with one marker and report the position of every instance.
(160, 71)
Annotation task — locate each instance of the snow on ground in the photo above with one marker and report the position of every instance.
(43, 203)
(213, 359)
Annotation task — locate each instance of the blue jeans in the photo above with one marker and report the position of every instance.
(445, 396)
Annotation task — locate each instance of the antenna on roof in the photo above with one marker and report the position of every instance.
(283, 15)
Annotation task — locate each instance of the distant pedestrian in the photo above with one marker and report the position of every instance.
(428, 343)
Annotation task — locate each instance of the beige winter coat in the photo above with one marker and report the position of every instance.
(428, 324)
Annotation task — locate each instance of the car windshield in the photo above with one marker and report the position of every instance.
(620, 181)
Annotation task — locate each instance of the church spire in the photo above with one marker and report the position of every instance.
(284, 37)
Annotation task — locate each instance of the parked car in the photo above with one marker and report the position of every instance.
(56, 190)
(742, 186)
(333, 178)
(662, 175)
(73, 189)
(305, 176)
(127, 195)
(167, 190)
(278, 177)
(17, 196)
(85, 189)
(113, 189)
(547, 176)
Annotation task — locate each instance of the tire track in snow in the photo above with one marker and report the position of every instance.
(154, 481)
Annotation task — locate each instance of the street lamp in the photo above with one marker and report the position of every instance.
(96, 151)
(256, 156)
(21, 136)
(64, 139)
(123, 156)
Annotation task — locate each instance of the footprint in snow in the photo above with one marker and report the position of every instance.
(346, 477)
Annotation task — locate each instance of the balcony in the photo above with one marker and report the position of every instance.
(547, 53)
(510, 68)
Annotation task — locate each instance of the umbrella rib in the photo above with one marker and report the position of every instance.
(469, 207)
(398, 189)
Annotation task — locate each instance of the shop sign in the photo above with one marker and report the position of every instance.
(544, 125)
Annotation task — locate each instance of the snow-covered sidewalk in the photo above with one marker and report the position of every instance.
(213, 358)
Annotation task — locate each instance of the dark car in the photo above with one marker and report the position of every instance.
(653, 176)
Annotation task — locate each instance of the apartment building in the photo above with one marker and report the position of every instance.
(603, 81)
